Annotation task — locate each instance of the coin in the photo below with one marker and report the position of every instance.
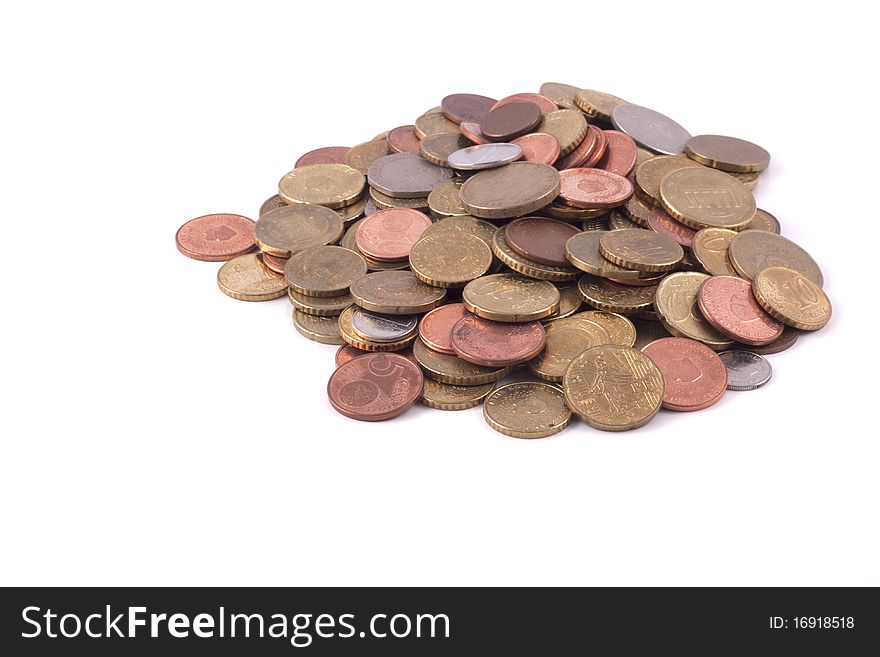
(647, 331)
(662, 224)
(510, 191)
(565, 212)
(444, 200)
(650, 129)
(385, 202)
(567, 125)
(318, 328)
(466, 107)
(749, 180)
(352, 212)
(540, 239)
(677, 304)
(395, 293)
(568, 337)
(650, 173)
(538, 147)
(360, 157)
(785, 341)
(294, 228)
(324, 271)
(403, 139)
(451, 369)
(330, 185)
(437, 148)
(390, 234)
(594, 188)
(447, 397)
(464, 225)
(637, 211)
(597, 104)
(378, 327)
(271, 203)
(435, 328)
(527, 410)
(433, 123)
(510, 120)
(792, 298)
(496, 344)
(323, 306)
(620, 154)
(472, 132)
(583, 252)
(745, 370)
(510, 298)
(591, 149)
(358, 340)
(246, 278)
(649, 279)
(644, 156)
(216, 237)
(563, 95)
(614, 297)
(727, 153)
(642, 250)
(275, 263)
(326, 155)
(449, 259)
(694, 376)
(728, 304)
(346, 353)
(707, 198)
(544, 104)
(753, 250)
(569, 303)
(375, 387)
(613, 388)
(406, 175)
(617, 220)
(765, 221)
(710, 249)
(484, 156)
(527, 267)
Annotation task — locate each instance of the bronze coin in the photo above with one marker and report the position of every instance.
(435, 329)
(545, 104)
(465, 224)
(323, 271)
(694, 376)
(754, 250)
(531, 268)
(727, 153)
(598, 150)
(360, 157)
(385, 202)
(582, 250)
(274, 201)
(326, 155)
(560, 93)
(786, 340)
(471, 130)
(728, 304)
(403, 139)
(433, 122)
(540, 239)
(583, 151)
(710, 249)
(275, 263)
(765, 221)
(650, 173)
(449, 368)
(346, 353)
(445, 201)
(612, 297)
(568, 126)
(594, 188)
(321, 306)
(538, 147)
(466, 107)
(597, 104)
(395, 293)
(510, 121)
(497, 344)
(437, 148)
(284, 231)
(216, 237)
(513, 190)
(662, 224)
(375, 387)
(621, 153)
(389, 235)
(642, 250)
(406, 175)
(639, 282)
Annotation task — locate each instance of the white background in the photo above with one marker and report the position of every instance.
(155, 431)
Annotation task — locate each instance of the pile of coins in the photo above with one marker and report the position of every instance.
(593, 248)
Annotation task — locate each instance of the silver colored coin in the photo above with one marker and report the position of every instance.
(745, 370)
(406, 175)
(484, 156)
(383, 328)
(650, 129)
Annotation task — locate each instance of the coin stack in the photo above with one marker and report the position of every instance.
(591, 247)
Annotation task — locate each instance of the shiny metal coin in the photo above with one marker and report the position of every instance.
(484, 156)
(745, 370)
(650, 129)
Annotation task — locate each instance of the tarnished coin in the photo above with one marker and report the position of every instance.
(662, 224)
(360, 157)
(544, 104)
(753, 250)
(323, 306)
(472, 132)
(567, 125)
(324, 271)
(445, 201)
(449, 258)
(466, 107)
(594, 188)
(496, 344)
(650, 173)
(464, 224)
(727, 303)
(246, 278)
(432, 123)
(597, 104)
(540, 239)
(527, 410)
(395, 293)
(650, 129)
(375, 387)
(447, 397)
(642, 250)
(406, 175)
(588, 152)
(511, 298)
(765, 221)
(710, 249)
(484, 156)
(294, 228)
(271, 203)
(318, 328)
(583, 252)
(378, 327)
(325, 155)
(403, 139)
(677, 304)
(435, 328)
(785, 341)
(745, 370)
(562, 94)
(620, 154)
(613, 388)
(694, 376)
(330, 185)
(727, 153)
(538, 147)
(216, 237)
(707, 198)
(371, 324)
(437, 148)
(385, 202)
(510, 120)
(390, 234)
(792, 298)
(531, 268)
(510, 191)
(447, 368)
(568, 337)
(614, 297)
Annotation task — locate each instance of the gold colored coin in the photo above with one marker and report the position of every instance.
(513, 190)
(437, 148)
(396, 293)
(599, 224)
(676, 303)
(315, 327)
(324, 271)
(284, 231)
(445, 201)
(352, 212)
(527, 410)
(330, 185)
(563, 95)
(350, 335)
(511, 298)
(246, 278)
(637, 211)
(644, 155)
(765, 221)
(360, 157)
(464, 225)
(530, 268)
(446, 368)
(449, 258)
(569, 303)
(614, 297)
(569, 213)
(727, 153)
(792, 298)
(383, 201)
(322, 306)
(568, 337)
(597, 104)
(568, 126)
(754, 250)
(583, 252)
(434, 123)
(448, 397)
(649, 174)
(642, 250)
(613, 388)
(707, 198)
(617, 221)
(749, 180)
(710, 249)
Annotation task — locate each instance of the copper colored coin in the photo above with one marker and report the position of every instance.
(694, 375)
(275, 263)
(271, 203)
(593, 188)
(326, 155)
(509, 121)
(640, 282)
(728, 304)
(216, 237)
(497, 344)
(466, 107)
(583, 151)
(435, 329)
(599, 150)
(660, 222)
(471, 130)
(621, 153)
(406, 175)
(545, 104)
(540, 239)
(346, 353)
(787, 339)
(377, 386)
(403, 139)
(390, 234)
(538, 147)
